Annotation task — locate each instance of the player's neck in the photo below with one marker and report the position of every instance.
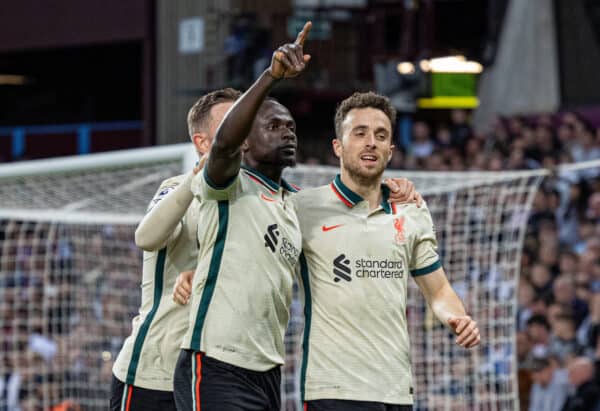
(368, 189)
(268, 170)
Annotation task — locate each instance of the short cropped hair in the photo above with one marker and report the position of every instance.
(199, 114)
(363, 100)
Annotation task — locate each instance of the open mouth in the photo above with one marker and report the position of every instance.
(369, 158)
(289, 149)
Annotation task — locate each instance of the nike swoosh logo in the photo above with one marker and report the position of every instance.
(264, 197)
(331, 227)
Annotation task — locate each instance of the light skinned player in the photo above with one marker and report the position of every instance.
(358, 252)
(143, 370)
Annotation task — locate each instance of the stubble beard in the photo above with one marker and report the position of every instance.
(357, 174)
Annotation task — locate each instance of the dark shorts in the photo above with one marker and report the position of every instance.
(125, 397)
(345, 405)
(204, 383)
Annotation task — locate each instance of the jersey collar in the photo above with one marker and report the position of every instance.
(350, 198)
(265, 181)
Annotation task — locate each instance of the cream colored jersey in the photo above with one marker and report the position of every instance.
(242, 290)
(355, 266)
(150, 353)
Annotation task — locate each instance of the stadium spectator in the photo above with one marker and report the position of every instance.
(584, 379)
(550, 384)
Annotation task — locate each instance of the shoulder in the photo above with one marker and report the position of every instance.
(306, 196)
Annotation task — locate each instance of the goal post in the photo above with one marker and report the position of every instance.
(70, 276)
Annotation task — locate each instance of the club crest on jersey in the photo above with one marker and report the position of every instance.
(399, 226)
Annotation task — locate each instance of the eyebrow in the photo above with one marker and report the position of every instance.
(365, 127)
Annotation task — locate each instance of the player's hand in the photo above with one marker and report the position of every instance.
(465, 328)
(402, 190)
(289, 60)
(182, 290)
(200, 164)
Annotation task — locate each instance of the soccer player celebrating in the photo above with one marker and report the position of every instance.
(249, 247)
(143, 371)
(358, 252)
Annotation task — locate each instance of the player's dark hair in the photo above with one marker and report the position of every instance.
(363, 100)
(199, 114)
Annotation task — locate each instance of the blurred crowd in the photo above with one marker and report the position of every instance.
(64, 317)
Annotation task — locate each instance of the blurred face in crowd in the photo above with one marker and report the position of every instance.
(564, 293)
(553, 311)
(564, 328)
(568, 263)
(581, 370)
(538, 334)
(525, 294)
(366, 145)
(543, 376)
(540, 275)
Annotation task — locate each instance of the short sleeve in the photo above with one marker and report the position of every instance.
(205, 189)
(425, 258)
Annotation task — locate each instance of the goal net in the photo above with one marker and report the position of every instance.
(70, 278)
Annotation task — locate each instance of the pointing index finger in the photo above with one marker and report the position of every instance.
(303, 33)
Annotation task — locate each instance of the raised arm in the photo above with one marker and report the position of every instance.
(448, 308)
(225, 155)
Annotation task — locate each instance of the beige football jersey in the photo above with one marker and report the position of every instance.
(242, 290)
(149, 354)
(354, 270)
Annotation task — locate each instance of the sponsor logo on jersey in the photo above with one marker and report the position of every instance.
(271, 237)
(345, 268)
(285, 249)
(341, 268)
(331, 227)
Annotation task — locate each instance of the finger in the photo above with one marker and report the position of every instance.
(470, 339)
(301, 37)
(476, 342)
(307, 58)
(466, 333)
(453, 322)
(391, 184)
(284, 59)
(462, 325)
(294, 52)
(180, 297)
(418, 199)
(185, 285)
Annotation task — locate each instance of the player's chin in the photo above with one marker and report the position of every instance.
(288, 161)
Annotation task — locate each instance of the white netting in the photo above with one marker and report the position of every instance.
(70, 280)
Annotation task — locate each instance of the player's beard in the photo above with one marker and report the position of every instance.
(359, 174)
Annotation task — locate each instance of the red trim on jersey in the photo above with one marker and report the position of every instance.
(198, 379)
(340, 196)
(393, 208)
(261, 183)
(129, 395)
(296, 187)
(305, 406)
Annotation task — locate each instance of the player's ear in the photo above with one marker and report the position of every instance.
(391, 153)
(245, 146)
(202, 142)
(337, 147)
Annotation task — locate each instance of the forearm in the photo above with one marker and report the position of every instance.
(160, 223)
(445, 304)
(224, 160)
